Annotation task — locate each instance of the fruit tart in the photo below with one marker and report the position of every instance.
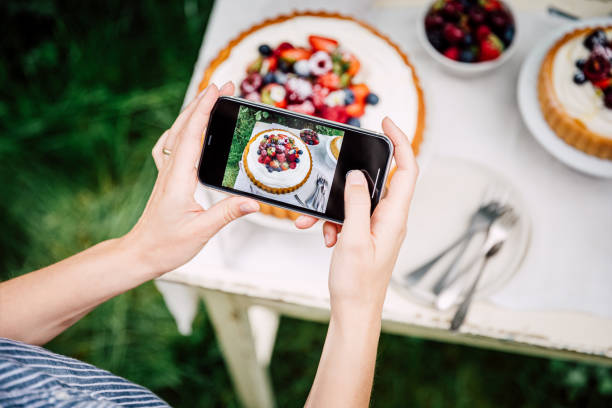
(575, 90)
(332, 66)
(277, 161)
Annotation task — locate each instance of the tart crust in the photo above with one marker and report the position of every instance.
(334, 149)
(570, 129)
(259, 183)
(225, 52)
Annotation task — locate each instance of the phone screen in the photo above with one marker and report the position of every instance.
(289, 160)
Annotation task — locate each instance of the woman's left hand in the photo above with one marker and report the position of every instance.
(174, 227)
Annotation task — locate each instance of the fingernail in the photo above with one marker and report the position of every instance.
(392, 122)
(355, 178)
(228, 83)
(249, 207)
(328, 239)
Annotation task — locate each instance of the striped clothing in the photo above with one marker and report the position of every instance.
(33, 377)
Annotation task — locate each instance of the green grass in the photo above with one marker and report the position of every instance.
(87, 88)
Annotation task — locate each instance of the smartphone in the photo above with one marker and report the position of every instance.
(288, 159)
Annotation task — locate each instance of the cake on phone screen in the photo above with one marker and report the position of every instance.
(283, 158)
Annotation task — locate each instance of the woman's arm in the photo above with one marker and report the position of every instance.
(172, 229)
(360, 271)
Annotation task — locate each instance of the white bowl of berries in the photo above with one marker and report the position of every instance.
(468, 37)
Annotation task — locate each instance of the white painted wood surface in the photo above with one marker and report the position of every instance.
(523, 318)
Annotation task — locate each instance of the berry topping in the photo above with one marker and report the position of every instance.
(320, 63)
(316, 79)
(371, 99)
(309, 137)
(452, 53)
(596, 68)
(273, 153)
(302, 68)
(433, 20)
(353, 122)
(294, 54)
(281, 47)
(580, 78)
(452, 33)
(329, 80)
(265, 50)
(322, 43)
(468, 55)
(355, 109)
(306, 107)
(491, 48)
(298, 89)
(580, 63)
(598, 36)
(251, 83)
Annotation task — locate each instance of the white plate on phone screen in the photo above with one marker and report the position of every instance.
(532, 115)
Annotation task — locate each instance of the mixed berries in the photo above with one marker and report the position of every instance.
(278, 153)
(316, 80)
(597, 68)
(309, 136)
(470, 30)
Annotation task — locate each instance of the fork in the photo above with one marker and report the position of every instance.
(498, 233)
(490, 209)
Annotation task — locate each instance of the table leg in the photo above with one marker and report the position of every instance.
(242, 345)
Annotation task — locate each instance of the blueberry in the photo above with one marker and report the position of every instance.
(266, 136)
(353, 122)
(468, 39)
(372, 98)
(608, 100)
(436, 39)
(284, 66)
(265, 50)
(258, 151)
(596, 37)
(508, 36)
(580, 78)
(467, 55)
(580, 64)
(269, 78)
(300, 151)
(297, 160)
(349, 97)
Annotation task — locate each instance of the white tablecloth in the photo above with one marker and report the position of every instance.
(568, 266)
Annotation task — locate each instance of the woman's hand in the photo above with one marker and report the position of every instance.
(367, 248)
(174, 227)
(360, 271)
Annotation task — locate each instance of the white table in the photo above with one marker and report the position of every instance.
(571, 236)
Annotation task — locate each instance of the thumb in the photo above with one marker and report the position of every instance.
(224, 212)
(356, 207)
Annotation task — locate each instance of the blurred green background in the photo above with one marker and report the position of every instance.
(87, 87)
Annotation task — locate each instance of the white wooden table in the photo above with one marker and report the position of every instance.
(558, 303)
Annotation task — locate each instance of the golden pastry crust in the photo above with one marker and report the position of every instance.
(225, 52)
(568, 128)
(259, 183)
(334, 149)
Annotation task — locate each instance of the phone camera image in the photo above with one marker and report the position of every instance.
(283, 158)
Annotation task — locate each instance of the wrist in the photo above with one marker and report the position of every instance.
(133, 254)
(356, 316)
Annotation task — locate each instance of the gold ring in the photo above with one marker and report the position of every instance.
(167, 152)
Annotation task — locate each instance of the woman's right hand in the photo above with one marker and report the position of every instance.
(367, 247)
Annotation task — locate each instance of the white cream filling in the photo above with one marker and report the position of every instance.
(278, 179)
(579, 101)
(382, 68)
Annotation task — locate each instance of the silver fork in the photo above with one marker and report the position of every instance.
(496, 236)
(490, 209)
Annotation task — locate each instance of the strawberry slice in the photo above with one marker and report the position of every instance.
(295, 54)
(603, 84)
(356, 109)
(329, 80)
(360, 91)
(354, 65)
(322, 43)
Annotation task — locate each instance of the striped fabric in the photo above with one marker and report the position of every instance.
(33, 377)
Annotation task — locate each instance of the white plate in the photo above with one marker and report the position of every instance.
(532, 115)
(445, 198)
